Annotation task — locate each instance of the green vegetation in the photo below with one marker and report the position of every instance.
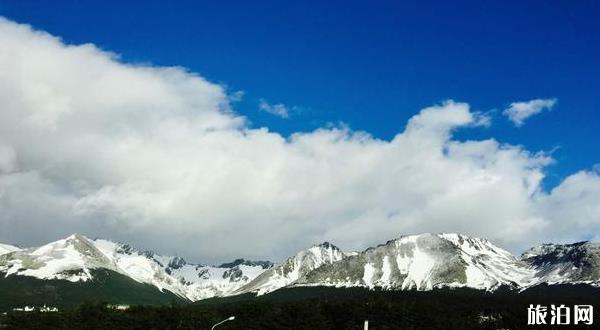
(107, 286)
(322, 308)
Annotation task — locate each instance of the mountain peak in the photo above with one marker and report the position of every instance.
(560, 263)
(234, 263)
(452, 237)
(241, 261)
(294, 268)
(176, 262)
(70, 258)
(547, 248)
(327, 245)
(7, 248)
(74, 238)
(423, 262)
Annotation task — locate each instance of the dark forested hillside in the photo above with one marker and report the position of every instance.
(106, 286)
(324, 308)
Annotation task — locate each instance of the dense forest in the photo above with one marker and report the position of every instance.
(107, 287)
(321, 308)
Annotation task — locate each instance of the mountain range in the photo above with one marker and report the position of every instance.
(417, 262)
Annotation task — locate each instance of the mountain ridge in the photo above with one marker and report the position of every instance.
(294, 267)
(410, 262)
(73, 258)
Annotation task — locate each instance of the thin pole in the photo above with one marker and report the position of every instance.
(231, 318)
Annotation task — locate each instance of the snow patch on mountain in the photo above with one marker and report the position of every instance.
(293, 268)
(489, 266)
(7, 248)
(424, 262)
(565, 263)
(420, 262)
(66, 259)
(193, 281)
(74, 257)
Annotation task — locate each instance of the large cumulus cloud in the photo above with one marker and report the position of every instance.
(156, 157)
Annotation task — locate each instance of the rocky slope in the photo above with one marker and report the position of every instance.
(419, 262)
(6, 248)
(74, 257)
(565, 263)
(295, 267)
(424, 262)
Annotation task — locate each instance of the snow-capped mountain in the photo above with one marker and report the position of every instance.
(565, 263)
(420, 262)
(6, 248)
(294, 268)
(193, 281)
(67, 259)
(74, 257)
(424, 262)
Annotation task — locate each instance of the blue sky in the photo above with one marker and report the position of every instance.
(371, 66)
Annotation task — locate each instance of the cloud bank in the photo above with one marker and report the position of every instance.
(518, 112)
(156, 157)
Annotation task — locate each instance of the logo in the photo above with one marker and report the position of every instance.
(560, 315)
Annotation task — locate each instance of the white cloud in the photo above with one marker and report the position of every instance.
(517, 112)
(236, 96)
(157, 157)
(279, 110)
